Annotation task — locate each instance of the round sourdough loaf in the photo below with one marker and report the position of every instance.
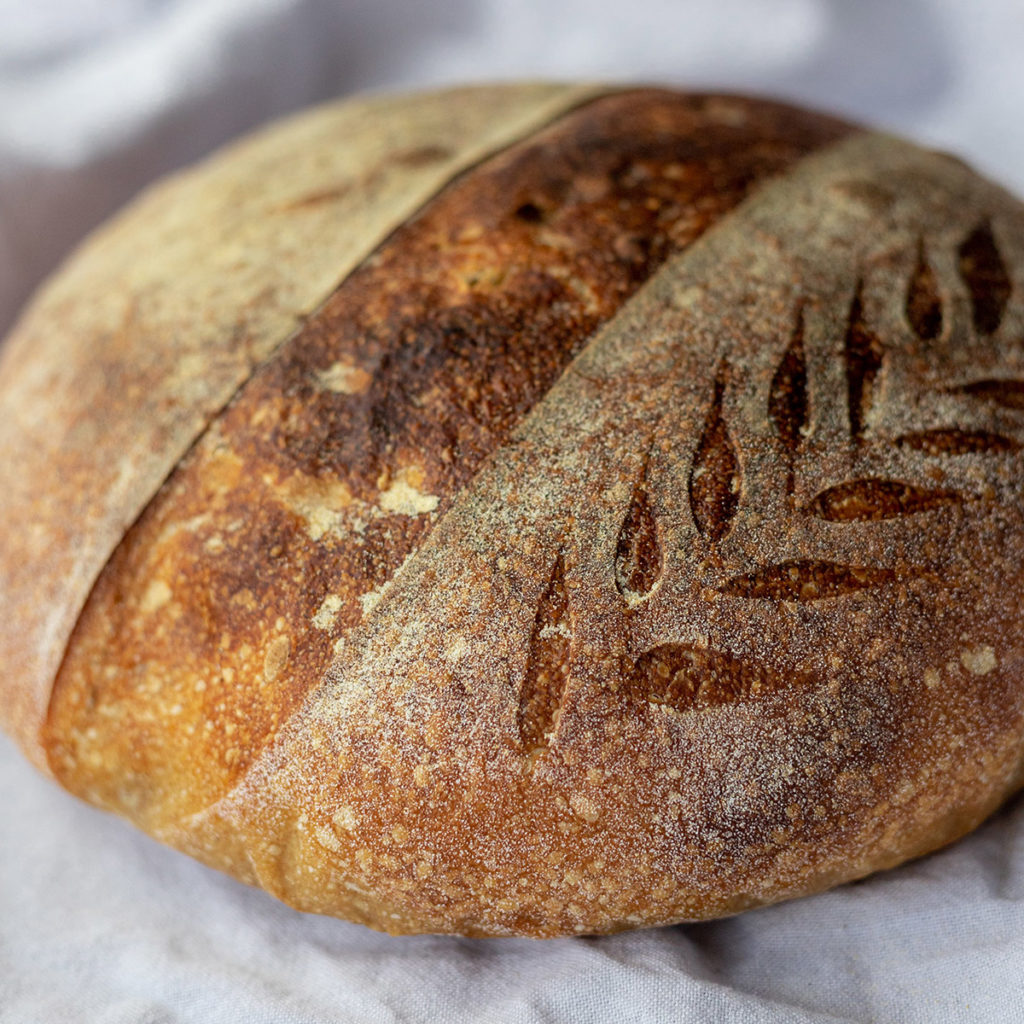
(529, 510)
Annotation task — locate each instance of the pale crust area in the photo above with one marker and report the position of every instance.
(124, 358)
(819, 675)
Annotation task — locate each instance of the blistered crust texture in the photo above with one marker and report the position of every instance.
(635, 536)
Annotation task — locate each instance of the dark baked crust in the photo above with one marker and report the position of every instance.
(124, 357)
(512, 597)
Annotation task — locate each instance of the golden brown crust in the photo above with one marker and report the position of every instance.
(437, 630)
(126, 355)
(269, 545)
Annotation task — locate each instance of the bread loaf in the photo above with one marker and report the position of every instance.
(529, 510)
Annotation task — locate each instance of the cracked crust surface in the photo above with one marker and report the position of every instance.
(615, 546)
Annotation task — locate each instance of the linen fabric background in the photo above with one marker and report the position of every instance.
(99, 923)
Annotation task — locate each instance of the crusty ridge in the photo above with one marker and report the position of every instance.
(227, 600)
(126, 354)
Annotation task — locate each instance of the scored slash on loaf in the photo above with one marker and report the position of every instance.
(530, 510)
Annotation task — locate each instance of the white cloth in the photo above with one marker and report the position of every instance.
(98, 923)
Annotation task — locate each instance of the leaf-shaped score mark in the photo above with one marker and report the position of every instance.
(714, 478)
(959, 442)
(873, 498)
(638, 557)
(863, 353)
(805, 580)
(787, 399)
(924, 307)
(984, 272)
(1006, 393)
(688, 678)
(547, 665)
